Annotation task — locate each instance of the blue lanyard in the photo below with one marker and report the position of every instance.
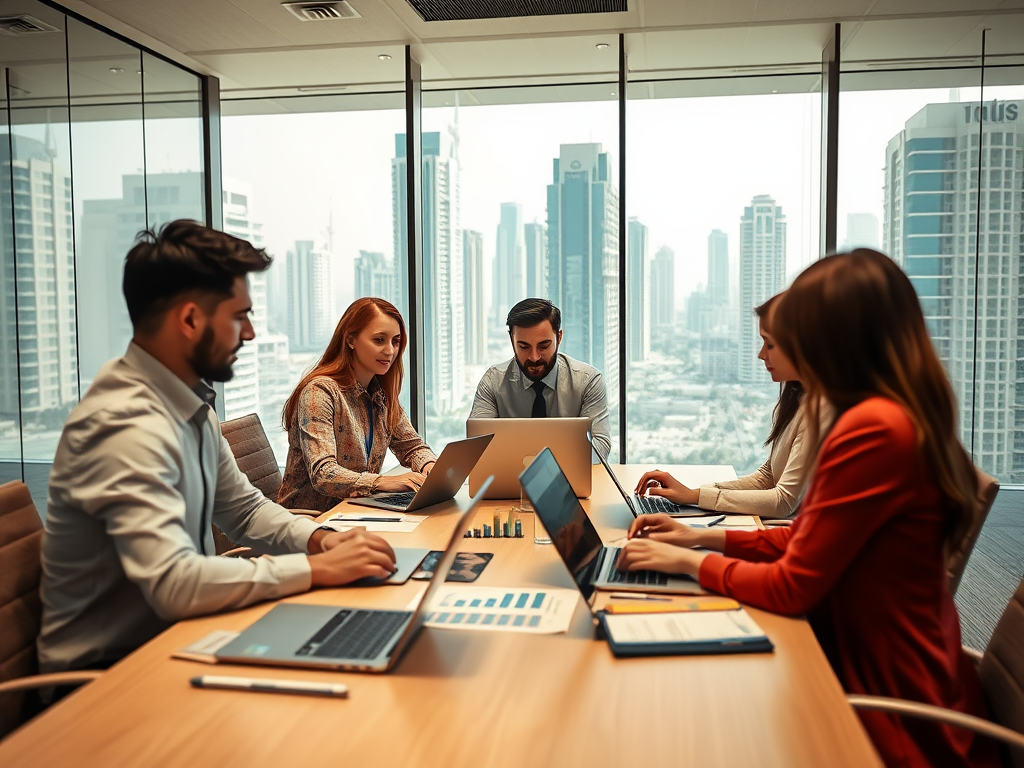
(369, 435)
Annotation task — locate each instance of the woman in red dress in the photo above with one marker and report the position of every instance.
(892, 492)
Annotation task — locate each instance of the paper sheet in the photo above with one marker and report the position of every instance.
(371, 520)
(682, 627)
(537, 611)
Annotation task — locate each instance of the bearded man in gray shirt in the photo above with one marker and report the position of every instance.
(539, 381)
(141, 472)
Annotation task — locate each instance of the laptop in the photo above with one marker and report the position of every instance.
(449, 473)
(517, 441)
(650, 505)
(351, 639)
(577, 541)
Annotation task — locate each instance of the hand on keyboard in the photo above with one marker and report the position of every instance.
(658, 483)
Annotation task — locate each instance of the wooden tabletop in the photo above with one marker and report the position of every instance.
(469, 698)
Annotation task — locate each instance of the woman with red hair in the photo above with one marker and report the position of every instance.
(344, 415)
(892, 492)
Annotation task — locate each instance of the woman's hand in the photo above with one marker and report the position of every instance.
(407, 481)
(661, 527)
(658, 483)
(647, 555)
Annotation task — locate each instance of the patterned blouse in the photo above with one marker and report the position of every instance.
(327, 459)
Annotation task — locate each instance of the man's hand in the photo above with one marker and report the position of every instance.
(349, 556)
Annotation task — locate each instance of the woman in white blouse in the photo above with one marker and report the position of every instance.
(774, 490)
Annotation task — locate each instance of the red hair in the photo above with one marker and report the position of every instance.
(336, 362)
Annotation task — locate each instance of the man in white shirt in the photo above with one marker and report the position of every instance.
(141, 472)
(539, 381)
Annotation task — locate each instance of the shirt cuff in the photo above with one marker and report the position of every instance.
(293, 573)
(421, 459)
(302, 529)
(712, 571)
(364, 484)
(708, 497)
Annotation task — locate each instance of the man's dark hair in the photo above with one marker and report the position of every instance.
(530, 312)
(183, 257)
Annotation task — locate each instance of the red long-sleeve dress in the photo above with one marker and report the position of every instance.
(864, 560)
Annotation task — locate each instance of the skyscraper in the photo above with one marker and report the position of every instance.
(638, 301)
(861, 231)
(583, 252)
(473, 282)
(718, 268)
(930, 229)
(762, 275)
(535, 236)
(509, 261)
(443, 307)
(42, 249)
(663, 290)
(375, 276)
(310, 311)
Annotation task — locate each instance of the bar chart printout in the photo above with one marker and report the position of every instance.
(540, 611)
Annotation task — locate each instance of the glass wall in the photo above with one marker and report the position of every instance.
(910, 143)
(72, 197)
(318, 186)
(520, 199)
(723, 208)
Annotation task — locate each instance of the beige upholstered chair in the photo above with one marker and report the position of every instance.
(1001, 669)
(252, 451)
(988, 487)
(255, 457)
(21, 535)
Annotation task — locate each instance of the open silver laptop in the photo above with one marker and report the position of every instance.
(352, 639)
(446, 477)
(591, 563)
(517, 441)
(650, 505)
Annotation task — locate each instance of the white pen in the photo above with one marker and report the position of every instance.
(270, 686)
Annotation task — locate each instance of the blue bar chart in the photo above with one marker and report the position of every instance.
(542, 611)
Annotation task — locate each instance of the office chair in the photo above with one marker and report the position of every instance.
(254, 456)
(21, 535)
(1001, 669)
(988, 487)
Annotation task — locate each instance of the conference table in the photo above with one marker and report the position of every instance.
(469, 698)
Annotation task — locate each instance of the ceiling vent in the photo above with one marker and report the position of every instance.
(462, 10)
(19, 26)
(307, 10)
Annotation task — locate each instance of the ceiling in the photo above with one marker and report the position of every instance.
(256, 46)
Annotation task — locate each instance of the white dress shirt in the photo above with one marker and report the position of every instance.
(141, 471)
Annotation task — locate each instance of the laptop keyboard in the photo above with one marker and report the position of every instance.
(402, 499)
(652, 505)
(649, 578)
(354, 634)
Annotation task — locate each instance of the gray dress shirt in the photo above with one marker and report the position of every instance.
(140, 473)
(573, 389)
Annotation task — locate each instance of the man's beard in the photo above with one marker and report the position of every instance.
(547, 368)
(202, 359)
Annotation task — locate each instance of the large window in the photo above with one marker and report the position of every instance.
(723, 212)
(910, 142)
(317, 188)
(520, 199)
(78, 132)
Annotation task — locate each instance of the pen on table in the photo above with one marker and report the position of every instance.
(638, 596)
(365, 520)
(710, 523)
(270, 685)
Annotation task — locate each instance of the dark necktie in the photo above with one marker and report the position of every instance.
(540, 408)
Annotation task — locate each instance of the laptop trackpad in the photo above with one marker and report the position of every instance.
(407, 560)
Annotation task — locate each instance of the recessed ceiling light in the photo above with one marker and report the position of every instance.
(601, 46)
(774, 91)
(116, 70)
(614, 93)
(384, 56)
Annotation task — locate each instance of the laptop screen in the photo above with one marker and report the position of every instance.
(571, 531)
(611, 474)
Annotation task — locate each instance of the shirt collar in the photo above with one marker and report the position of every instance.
(187, 402)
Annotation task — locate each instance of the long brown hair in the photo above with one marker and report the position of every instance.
(853, 326)
(792, 392)
(336, 362)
